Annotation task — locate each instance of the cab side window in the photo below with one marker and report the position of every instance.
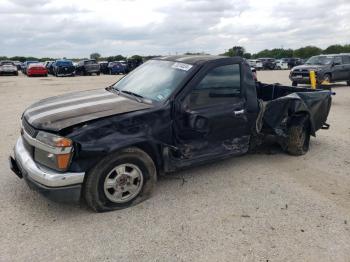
(220, 85)
(346, 59)
(337, 60)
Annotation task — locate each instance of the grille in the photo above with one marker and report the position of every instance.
(304, 74)
(28, 128)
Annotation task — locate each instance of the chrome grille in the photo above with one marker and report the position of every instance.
(28, 128)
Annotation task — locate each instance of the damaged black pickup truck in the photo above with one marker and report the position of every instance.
(108, 146)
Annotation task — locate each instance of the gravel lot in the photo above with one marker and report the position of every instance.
(267, 206)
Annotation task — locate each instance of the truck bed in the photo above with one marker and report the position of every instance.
(281, 103)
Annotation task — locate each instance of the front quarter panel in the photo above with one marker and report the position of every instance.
(96, 139)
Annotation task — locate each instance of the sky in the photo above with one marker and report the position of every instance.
(77, 28)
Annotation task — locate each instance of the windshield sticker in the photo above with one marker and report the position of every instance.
(160, 97)
(182, 66)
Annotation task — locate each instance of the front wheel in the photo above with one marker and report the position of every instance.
(120, 180)
(298, 140)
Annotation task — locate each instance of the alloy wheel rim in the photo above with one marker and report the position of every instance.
(123, 183)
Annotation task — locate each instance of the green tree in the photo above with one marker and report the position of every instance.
(137, 58)
(95, 56)
(334, 49)
(247, 55)
(115, 58)
(307, 51)
(235, 51)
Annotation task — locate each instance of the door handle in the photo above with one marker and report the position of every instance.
(239, 112)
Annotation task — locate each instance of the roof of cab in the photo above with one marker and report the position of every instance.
(191, 59)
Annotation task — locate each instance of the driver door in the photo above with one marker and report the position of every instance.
(211, 118)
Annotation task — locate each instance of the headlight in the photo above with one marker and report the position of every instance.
(53, 140)
(54, 152)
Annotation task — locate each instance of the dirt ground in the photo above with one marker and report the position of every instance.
(259, 207)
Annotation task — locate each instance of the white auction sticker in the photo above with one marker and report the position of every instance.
(182, 66)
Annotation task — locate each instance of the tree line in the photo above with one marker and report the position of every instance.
(302, 52)
(96, 56)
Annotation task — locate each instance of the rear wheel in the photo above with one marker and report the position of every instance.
(120, 180)
(298, 140)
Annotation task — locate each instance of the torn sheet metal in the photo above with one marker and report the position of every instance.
(283, 102)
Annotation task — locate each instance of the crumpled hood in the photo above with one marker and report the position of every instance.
(57, 113)
(307, 67)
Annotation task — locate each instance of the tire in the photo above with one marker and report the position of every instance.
(99, 195)
(98, 73)
(348, 83)
(298, 140)
(294, 83)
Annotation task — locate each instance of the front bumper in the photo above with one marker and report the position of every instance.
(8, 71)
(58, 186)
(36, 72)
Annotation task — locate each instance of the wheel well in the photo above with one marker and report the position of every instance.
(302, 118)
(328, 73)
(154, 151)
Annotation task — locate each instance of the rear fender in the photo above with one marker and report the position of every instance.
(301, 119)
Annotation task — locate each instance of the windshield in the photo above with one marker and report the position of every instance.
(7, 63)
(154, 80)
(320, 60)
(90, 62)
(64, 63)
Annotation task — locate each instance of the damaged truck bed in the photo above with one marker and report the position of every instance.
(108, 146)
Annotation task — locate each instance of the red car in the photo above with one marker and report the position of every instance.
(36, 70)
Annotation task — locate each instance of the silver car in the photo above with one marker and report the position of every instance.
(8, 68)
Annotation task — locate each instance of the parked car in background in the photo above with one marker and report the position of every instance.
(104, 67)
(36, 69)
(47, 62)
(255, 76)
(88, 67)
(281, 64)
(268, 63)
(292, 61)
(257, 64)
(116, 68)
(331, 68)
(8, 68)
(49, 66)
(132, 64)
(63, 68)
(26, 64)
(18, 64)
